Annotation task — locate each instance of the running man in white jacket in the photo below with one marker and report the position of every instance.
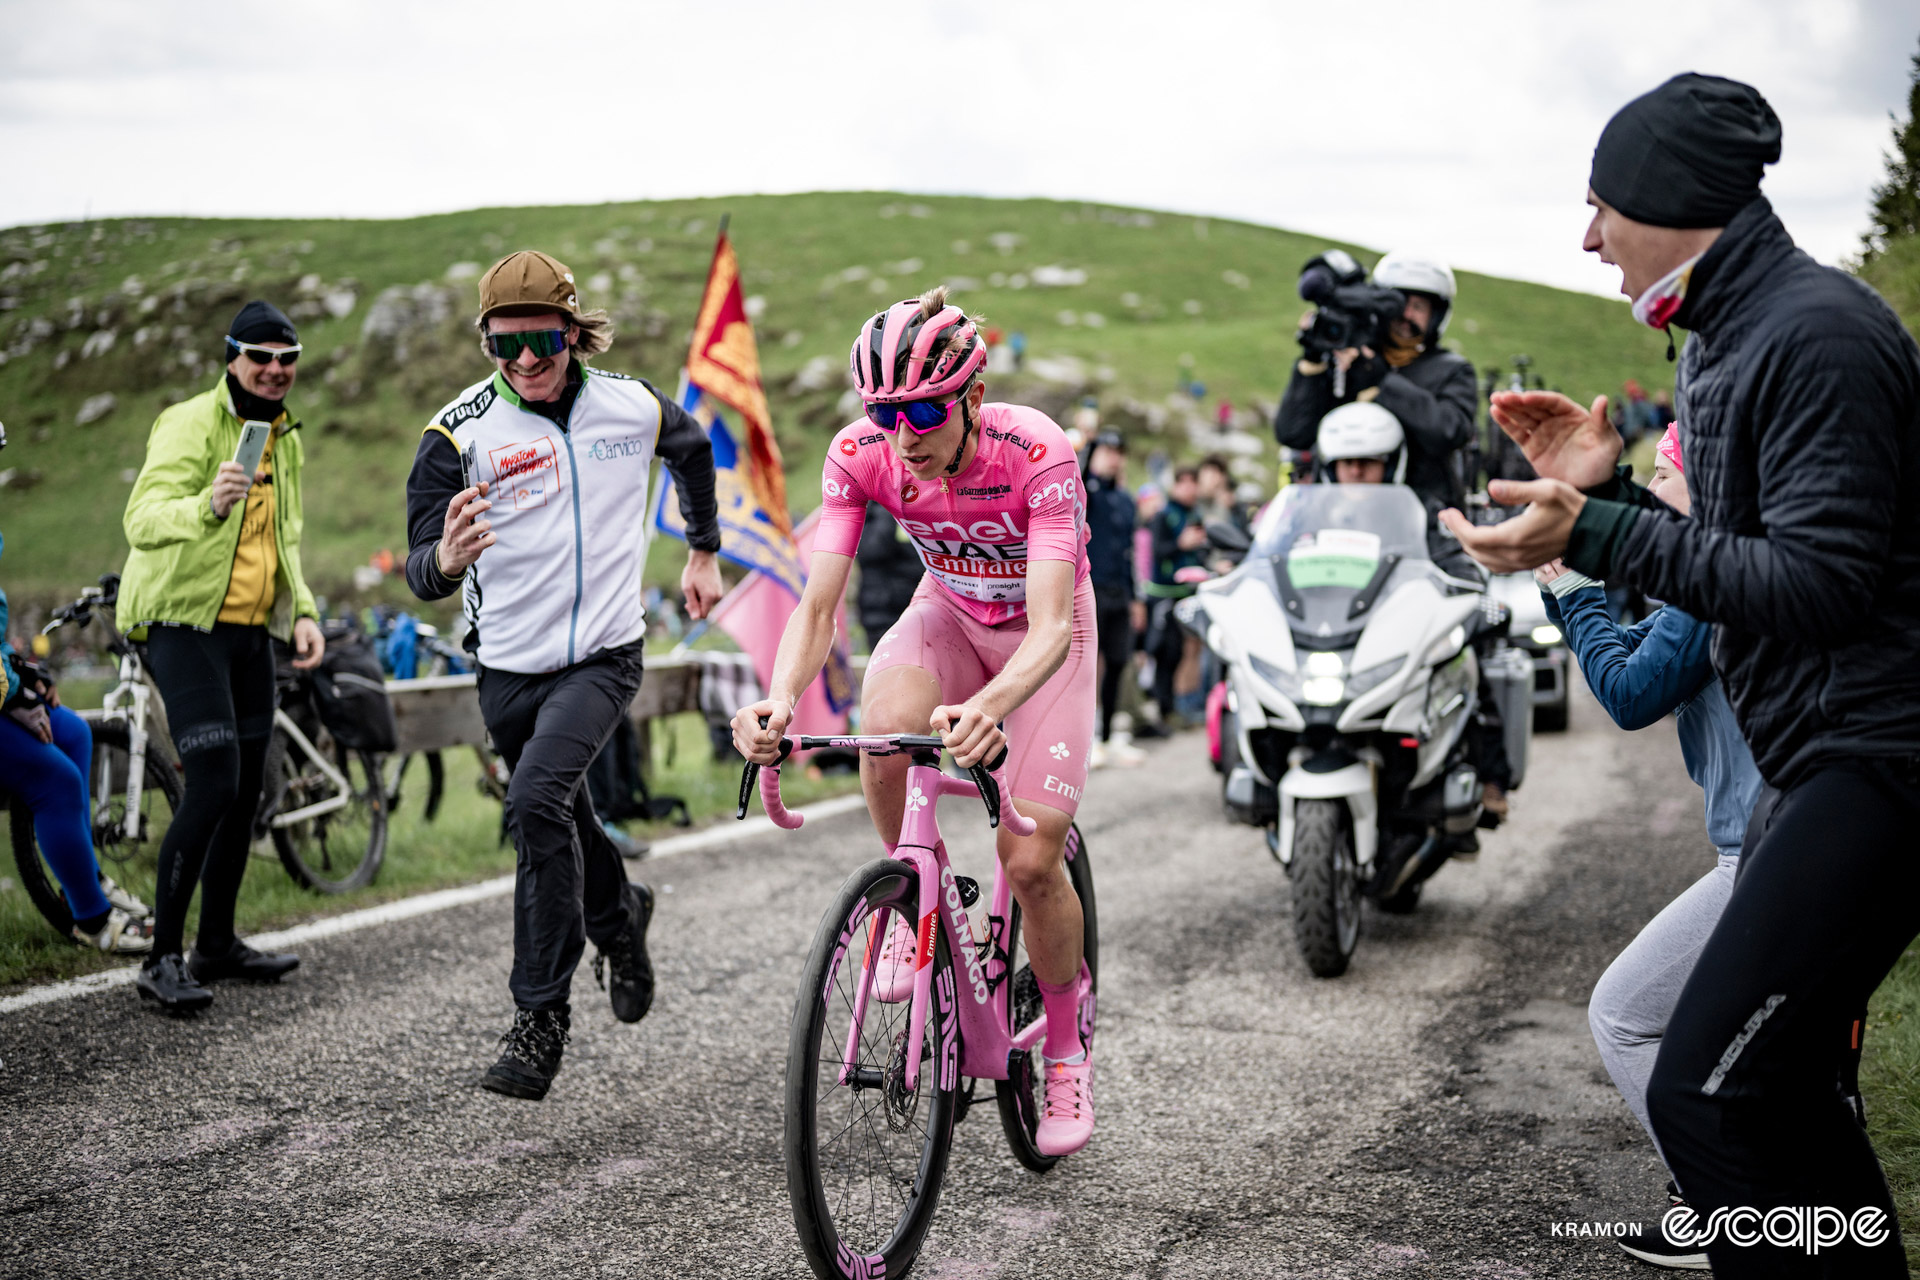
(529, 497)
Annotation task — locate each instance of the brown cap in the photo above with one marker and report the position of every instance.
(528, 278)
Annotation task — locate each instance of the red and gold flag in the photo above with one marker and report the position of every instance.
(725, 363)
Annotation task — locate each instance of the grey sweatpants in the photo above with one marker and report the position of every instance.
(1635, 996)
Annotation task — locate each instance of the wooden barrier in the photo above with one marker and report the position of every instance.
(439, 712)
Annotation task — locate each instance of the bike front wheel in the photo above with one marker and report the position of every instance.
(330, 838)
(866, 1154)
(1019, 1108)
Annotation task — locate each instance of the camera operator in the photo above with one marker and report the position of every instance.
(1389, 353)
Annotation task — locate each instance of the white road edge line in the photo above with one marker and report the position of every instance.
(723, 832)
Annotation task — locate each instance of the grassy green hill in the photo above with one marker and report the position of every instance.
(102, 324)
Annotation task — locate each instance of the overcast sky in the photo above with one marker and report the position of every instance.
(1462, 126)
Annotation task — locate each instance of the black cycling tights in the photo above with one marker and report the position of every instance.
(219, 688)
(1742, 1097)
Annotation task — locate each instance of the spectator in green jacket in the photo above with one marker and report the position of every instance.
(213, 578)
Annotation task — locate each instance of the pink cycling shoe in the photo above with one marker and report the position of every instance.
(893, 972)
(1066, 1118)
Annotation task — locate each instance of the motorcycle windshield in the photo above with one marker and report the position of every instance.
(1327, 542)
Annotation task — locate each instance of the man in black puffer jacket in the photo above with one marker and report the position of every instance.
(1432, 391)
(1799, 410)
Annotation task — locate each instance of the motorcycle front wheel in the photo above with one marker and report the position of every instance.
(1326, 886)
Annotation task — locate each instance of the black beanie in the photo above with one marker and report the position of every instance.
(262, 322)
(1689, 154)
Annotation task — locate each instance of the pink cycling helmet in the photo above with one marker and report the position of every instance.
(892, 358)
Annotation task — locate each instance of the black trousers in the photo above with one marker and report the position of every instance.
(1166, 645)
(218, 687)
(1113, 620)
(1743, 1096)
(569, 884)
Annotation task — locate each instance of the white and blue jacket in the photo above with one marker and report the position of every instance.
(568, 480)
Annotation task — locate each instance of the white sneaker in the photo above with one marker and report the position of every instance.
(121, 934)
(122, 899)
(1122, 752)
(1097, 757)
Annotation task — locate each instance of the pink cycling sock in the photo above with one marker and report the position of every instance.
(1062, 1003)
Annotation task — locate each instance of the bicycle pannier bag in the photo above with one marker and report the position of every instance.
(350, 690)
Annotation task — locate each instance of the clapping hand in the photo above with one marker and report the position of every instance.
(1562, 440)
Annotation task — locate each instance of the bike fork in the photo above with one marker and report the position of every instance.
(136, 759)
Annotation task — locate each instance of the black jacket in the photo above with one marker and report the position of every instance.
(1112, 516)
(890, 570)
(1435, 398)
(1799, 405)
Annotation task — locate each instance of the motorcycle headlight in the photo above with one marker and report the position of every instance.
(1287, 682)
(1373, 677)
(1323, 691)
(1545, 634)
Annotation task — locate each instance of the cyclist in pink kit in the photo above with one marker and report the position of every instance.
(1000, 630)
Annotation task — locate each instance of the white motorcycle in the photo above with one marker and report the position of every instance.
(1352, 681)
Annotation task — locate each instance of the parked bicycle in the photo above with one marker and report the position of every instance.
(875, 1086)
(324, 805)
(135, 781)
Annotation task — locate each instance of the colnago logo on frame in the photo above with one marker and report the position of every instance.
(1808, 1228)
(963, 934)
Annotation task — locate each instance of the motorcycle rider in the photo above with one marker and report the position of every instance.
(1431, 392)
(1363, 443)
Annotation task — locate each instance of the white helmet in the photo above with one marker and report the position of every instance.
(1421, 274)
(1362, 430)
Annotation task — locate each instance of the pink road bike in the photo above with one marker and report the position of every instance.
(875, 1087)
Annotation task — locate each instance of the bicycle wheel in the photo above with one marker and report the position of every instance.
(161, 792)
(340, 848)
(866, 1157)
(1019, 1111)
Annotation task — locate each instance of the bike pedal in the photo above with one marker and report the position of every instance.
(969, 890)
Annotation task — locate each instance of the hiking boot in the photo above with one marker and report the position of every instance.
(631, 989)
(530, 1057)
(122, 899)
(893, 972)
(1066, 1114)
(166, 981)
(243, 962)
(121, 934)
(1651, 1244)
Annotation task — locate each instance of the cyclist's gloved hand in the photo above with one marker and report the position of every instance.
(969, 733)
(758, 745)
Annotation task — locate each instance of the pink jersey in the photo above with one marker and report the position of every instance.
(1019, 499)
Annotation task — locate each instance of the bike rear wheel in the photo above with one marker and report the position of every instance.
(160, 796)
(866, 1157)
(1019, 1110)
(334, 851)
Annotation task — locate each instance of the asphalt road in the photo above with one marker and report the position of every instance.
(1431, 1113)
